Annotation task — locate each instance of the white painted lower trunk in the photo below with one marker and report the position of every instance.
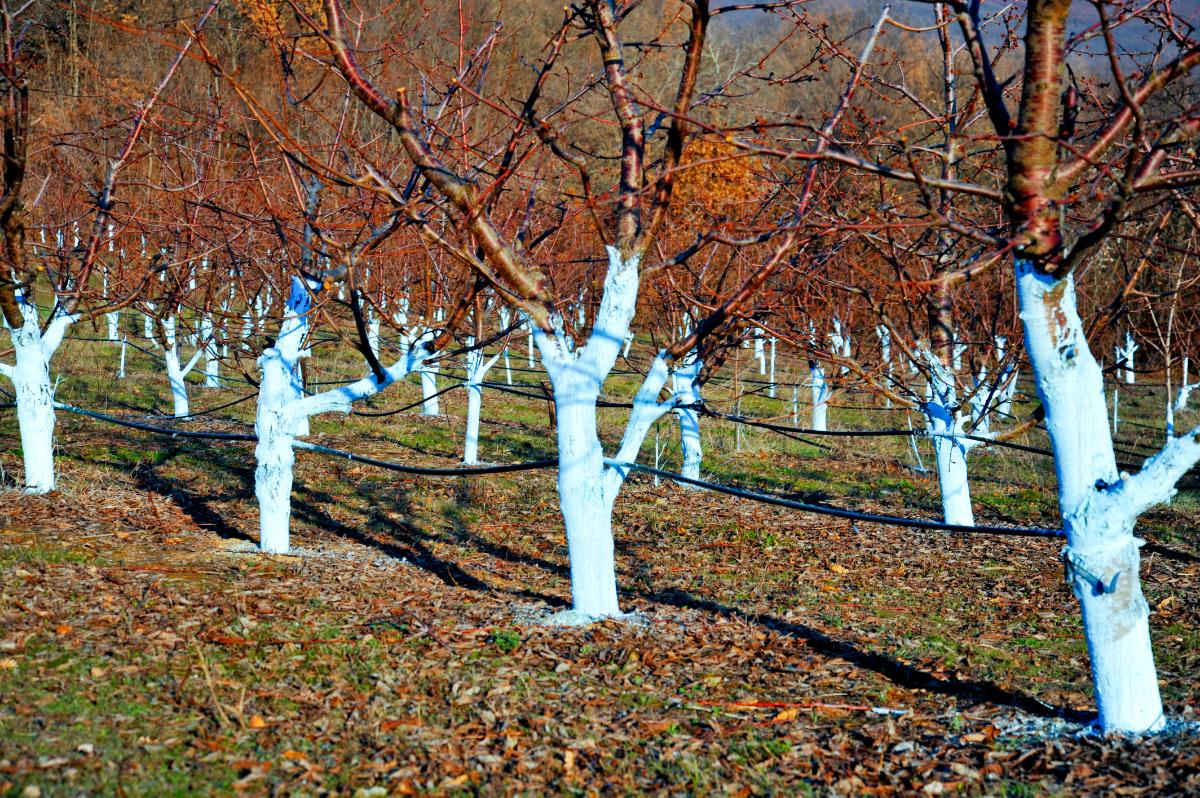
(474, 407)
(274, 456)
(212, 359)
(951, 456)
(114, 326)
(689, 436)
(175, 377)
(429, 388)
(35, 407)
(587, 512)
(820, 398)
(121, 364)
(771, 369)
(1101, 553)
(687, 393)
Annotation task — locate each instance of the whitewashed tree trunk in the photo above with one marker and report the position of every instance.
(1099, 504)
(176, 371)
(1007, 381)
(121, 364)
(686, 395)
(34, 393)
(212, 359)
(373, 332)
(587, 487)
(429, 389)
(760, 356)
(820, 397)
(771, 368)
(529, 343)
(981, 404)
(586, 505)
(477, 369)
(1185, 389)
(281, 407)
(1129, 352)
(946, 424)
(274, 458)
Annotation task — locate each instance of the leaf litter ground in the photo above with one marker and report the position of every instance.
(147, 649)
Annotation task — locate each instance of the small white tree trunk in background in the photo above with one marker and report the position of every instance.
(1007, 381)
(761, 356)
(946, 423)
(771, 369)
(960, 349)
(795, 405)
(980, 401)
(114, 325)
(840, 342)
(477, 369)
(212, 359)
(1099, 505)
(628, 343)
(820, 397)
(686, 395)
(1116, 404)
(121, 364)
(1185, 389)
(373, 332)
(429, 389)
(1129, 353)
(177, 372)
(885, 355)
(179, 397)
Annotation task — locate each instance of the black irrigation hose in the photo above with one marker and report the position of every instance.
(225, 406)
(870, 433)
(838, 512)
(399, 410)
(221, 436)
(429, 472)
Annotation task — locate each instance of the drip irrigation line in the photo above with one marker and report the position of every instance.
(872, 433)
(407, 407)
(764, 498)
(174, 433)
(423, 471)
(838, 512)
(211, 410)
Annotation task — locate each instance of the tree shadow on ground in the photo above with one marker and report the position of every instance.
(409, 543)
